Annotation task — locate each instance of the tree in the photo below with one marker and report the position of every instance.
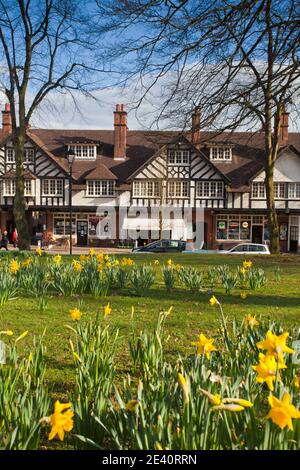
(238, 61)
(45, 46)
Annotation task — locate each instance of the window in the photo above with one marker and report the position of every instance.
(178, 189)
(238, 227)
(28, 188)
(179, 157)
(52, 187)
(10, 155)
(61, 224)
(258, 190)
(9, 187)
(233, 228)
(294, 191)
(279, 190)
(210, 189)
(221, 153)
(88, 152)
(100, 188)
(29, 155)
(146, 189)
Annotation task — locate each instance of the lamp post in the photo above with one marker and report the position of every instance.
(70, 157)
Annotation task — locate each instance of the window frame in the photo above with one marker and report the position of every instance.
(207, 188)
(100, 188)
(142, 188)
(50, 181)
(179, 157)
(178, 189)
(260, 194)
(84, 151)
(218, 153)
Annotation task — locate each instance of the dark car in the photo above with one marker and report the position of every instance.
(162, 246)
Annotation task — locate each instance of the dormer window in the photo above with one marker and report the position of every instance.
(28, 155)
(179, 157)
(223, 154)
(100, 188)
(84, 152)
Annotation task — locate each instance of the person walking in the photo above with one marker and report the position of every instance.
(4, 241)
(15, 238)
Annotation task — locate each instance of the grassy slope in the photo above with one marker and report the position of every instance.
(191, 313)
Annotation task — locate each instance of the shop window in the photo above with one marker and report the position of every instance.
(222, 229)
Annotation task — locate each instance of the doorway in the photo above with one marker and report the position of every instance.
(294, 238)
(82, 233)
(257, 233)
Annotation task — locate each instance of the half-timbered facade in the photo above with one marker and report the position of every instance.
(129, 174)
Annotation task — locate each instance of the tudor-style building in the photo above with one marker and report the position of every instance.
(121, 169)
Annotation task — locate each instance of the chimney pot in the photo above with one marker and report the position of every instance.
(120, 132)
(196, 118)
(284, 127)
(6, 121)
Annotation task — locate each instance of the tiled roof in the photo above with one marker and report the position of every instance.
(248, 152)
(12, 174)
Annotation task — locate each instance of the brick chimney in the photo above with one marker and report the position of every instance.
(6, 121)
(284, 127)
(196, 117)
(120, 125)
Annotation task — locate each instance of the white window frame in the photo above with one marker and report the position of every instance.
(221, 153)
(100, 188)
(179, 157)
(55, 187)
(258, 190)
(84, 151)
(29, 155)
(9, 187)
(207, 189)
(10, 155)
(178, 189)
(279, 190)
(294, 190)
(146, 189)
(252, 219)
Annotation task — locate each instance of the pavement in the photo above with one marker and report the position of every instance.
(59, 250)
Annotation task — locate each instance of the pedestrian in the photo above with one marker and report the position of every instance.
(15, 238)
(4, 241)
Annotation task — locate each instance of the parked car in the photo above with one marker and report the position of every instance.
(162, 246)
(248, 248)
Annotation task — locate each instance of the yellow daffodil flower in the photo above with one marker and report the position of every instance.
(107, 310)
(282, 411)
(100, 256)
(275, 345)
(82, 258)
(251, 321)
(57, 259)
(75, 314)
(77, 266)
(26, 263)
(296, 382)
(243, 271)
(243, 295)
(170, 262)
(213, 301)
(39, 251)
(229, 404)
(247, 264)
(14, 266)
(267, 369)
(156, 262)
(92, 252)
(131, 405)
(25, 333)
(213, 399)
(7, 333)
(184, 384)
(61, 420)
(204, 345)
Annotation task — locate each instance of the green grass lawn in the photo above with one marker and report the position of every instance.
(191, 314)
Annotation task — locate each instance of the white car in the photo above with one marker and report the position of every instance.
(248, 248)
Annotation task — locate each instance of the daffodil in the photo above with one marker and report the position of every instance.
(100, 256)
(75, 314)
(61, 420)
(226, 404)
(14, 266)
(204, 345)
(213, 399)
(107, 310)
(25, 333)
(247, 264)
(267, 370)
(77, 266)
(39, 251)
(243, 271)
(131, 405)
(228, 407)
(275, 345)
(251, 321)
(7, 333)
(26, 263)
(57, 259)
(92, 252)
(282, 411)
(213, 301)
(296, 382)
(82, 258)
(243, 295)
(170, 262)
(156, 262)
(185, 385)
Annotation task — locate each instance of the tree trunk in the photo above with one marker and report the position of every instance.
(271, 211)
(19, 200)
